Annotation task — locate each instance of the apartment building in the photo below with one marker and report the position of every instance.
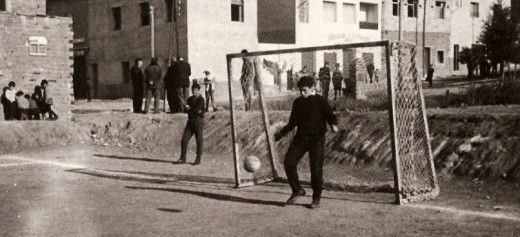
(34, 47)
(448, 26)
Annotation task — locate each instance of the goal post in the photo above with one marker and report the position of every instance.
(383, 144)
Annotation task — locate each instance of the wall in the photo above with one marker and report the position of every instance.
(27, 71)
(109, 47)
(212, 35)
(32, 7)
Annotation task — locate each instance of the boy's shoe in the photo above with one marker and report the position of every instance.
(315, 204)
(294, 196)
(180, 161)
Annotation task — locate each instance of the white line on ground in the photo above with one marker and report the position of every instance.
(502, 216)
(71, 166)
(18, 164)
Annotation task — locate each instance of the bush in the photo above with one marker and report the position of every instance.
(496, 94)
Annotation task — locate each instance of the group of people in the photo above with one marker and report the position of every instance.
(176, 84)
(18, 105)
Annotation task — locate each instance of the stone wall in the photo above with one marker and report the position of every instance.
(16, 63)
(33, 7)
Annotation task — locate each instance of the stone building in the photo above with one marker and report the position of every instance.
(34, 47)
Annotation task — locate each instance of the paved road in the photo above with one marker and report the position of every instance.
(86, 192)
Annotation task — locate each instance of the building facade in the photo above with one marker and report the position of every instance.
(34, 47)
(448, 26)
(120, 31)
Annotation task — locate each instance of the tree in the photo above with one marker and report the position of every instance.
(499, 35)
(471, 57)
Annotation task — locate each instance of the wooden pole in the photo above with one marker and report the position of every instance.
(177, 13)
(152, 31)
(399, 36)
(236, 147)
(393, 129)
(424, 40)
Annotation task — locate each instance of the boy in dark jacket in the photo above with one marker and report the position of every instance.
(195, 125)
(310, 113)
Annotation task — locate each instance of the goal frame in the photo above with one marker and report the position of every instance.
(385, 45)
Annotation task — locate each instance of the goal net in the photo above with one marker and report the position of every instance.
(374, 89)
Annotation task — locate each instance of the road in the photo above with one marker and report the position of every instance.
(92, 191)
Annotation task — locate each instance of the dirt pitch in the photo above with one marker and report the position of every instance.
(77, 179)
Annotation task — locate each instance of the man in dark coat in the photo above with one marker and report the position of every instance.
(324, 76)
(429, 75)
(136, 74)
(171, 93)
(152, 78)
(181, 81)
(90, 88)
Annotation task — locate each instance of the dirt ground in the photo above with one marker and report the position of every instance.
(109, 173)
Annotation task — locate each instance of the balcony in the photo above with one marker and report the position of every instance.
(368, 25)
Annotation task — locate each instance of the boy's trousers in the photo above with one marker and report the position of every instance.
(316, 148)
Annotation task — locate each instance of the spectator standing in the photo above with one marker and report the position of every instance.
(337, 79)
(47, 100)
(89, 89)
(209, 83)
(136, 75)
(6, 105)
(429, 75)
(324, 76)
(10, 95)
(181, 82)
(34, 110)
(169, 87)
(152, 78)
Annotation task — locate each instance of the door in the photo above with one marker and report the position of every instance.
(427, 58)
(79, 77)
(332, 59)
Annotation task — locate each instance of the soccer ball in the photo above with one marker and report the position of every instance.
(252, 164)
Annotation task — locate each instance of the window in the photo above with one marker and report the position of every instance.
(3, 5)
(116, 15)
(329, 12)
(474, 9)
(349, 13)
(237, 10)
(368, 18)
(303, 11)
(441, 6)
(440, 57)
(125, 70)
(412, 8)
(37, 45)
(456, 57)
(145, 13)
(171, 11)
(395, 7)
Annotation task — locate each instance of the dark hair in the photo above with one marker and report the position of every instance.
(305, 81)
(137, 60)
(27, 96)
(44, 82)
(37, 89)
(243, 51)
(195, 86)
(11, 83)
(19, 93)
(154, 61)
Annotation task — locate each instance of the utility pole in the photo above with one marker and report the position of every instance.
(424, 39)
(152, 27)
(177, 4)
(399, 37)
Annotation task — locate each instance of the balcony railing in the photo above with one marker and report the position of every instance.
(368, 25)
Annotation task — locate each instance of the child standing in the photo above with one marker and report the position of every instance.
(195, 125)
(47, 100)
(10, 95)
(310, 113)
(209, 82)
(34, 110)
(6, 104)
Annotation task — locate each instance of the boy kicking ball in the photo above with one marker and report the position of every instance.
(310, 113)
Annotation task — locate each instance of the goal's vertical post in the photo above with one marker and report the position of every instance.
(236, 152)
(393, 128)
(265, 119)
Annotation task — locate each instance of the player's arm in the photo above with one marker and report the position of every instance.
(329, 115)
(290, 126)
